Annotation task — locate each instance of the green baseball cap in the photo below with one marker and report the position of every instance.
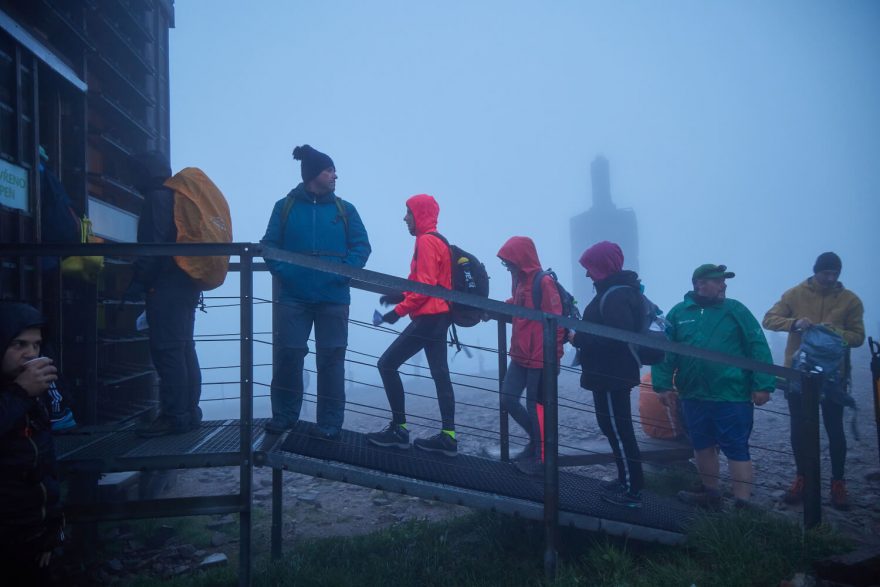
(710, 271)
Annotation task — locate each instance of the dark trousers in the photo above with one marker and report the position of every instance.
(294, 321)
(424, 332)
(171, 314)
(517, 379)
(832, 417)
(614, 415)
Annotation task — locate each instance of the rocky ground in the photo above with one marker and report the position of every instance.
(316, 508)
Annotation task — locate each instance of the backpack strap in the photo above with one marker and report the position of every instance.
(441, 237)
(456, 343)
(452, 259)
(537, 292)
(290, 200)
(604, 296)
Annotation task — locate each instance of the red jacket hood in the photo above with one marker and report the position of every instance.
(521, 251)
(425, 211)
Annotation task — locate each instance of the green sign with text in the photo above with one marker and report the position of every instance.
(13, 186)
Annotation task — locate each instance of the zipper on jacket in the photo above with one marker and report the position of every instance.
(33, 444)
(45, 492)
(314, 224)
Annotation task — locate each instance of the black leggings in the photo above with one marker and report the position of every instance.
(424, 332)
(614, 415)
(832, 416)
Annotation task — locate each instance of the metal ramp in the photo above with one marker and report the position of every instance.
(474, 482)
(108, 449)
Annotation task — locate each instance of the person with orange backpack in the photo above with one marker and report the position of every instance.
(176, 209)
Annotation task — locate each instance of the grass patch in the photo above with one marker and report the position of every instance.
(669, 480)
(735, 549)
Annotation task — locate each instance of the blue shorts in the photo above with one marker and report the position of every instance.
(725, 424)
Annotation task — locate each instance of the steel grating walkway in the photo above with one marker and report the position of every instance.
(465, 480)
(106, 449)
(476, 482)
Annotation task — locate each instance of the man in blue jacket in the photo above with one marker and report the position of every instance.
(313, 220)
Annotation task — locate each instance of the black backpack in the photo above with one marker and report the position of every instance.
(653, 324)
(569, 304)
(825, 350)
(468, 276)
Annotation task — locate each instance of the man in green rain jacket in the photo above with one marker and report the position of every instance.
(717, 400)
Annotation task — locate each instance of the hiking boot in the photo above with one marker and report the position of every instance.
(839, 497)
(532, 466)
(612, 485)
(394, 435)
(627, 499)
(161, 426)
(278, 426)
(709, 499)
(795, 493)
(195, 419)
(442, 443)
(527, 452)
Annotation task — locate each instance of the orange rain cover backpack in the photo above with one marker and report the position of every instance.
(201, 215)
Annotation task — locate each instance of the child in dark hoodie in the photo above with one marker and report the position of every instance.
(609, 368)
(30, 514)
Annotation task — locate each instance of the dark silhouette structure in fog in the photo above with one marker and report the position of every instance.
(603, 221)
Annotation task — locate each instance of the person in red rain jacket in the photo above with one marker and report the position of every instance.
(526, 368)
(431, 264)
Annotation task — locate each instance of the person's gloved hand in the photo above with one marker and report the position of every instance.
(391, 299)
(390, 317)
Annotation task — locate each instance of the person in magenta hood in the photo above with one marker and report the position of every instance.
(525, 370)
(609, 368)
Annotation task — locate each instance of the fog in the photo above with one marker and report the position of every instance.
(742, 133)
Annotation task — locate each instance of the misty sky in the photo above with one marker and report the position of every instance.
(743, 133)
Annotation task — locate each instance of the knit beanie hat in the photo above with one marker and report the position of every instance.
(827, 261)
(313, 162)
(602, 259)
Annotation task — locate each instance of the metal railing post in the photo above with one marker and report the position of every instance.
(504, 425)
(277, 509)
(811, 384)
(246, 290)
(277, 486)
(551, 450)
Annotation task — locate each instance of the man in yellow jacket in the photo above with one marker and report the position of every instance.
(820, 299)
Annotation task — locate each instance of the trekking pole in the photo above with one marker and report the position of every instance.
(811, 384)
(551, 450)
(875, 378)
